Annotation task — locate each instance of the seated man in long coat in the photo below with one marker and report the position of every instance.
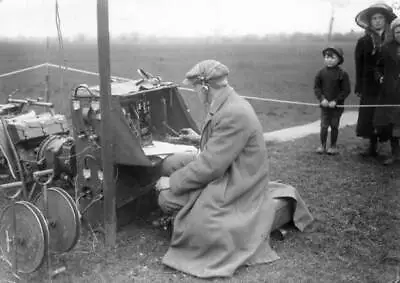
(222, 199)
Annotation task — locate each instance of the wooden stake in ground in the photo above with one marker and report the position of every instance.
(107, 140)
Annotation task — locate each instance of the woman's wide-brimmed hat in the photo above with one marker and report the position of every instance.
(364, 17)
(395, 24)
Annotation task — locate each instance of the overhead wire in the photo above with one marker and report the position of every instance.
(62, 60)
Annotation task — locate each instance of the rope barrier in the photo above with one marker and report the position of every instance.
(281, 101)
(308, 103)
(317, 104)
(191, 90)
(267, 99)
(23, 70)
(85, 72)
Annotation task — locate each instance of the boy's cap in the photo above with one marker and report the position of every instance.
(364, 17)
(205, 71)
(337, 50)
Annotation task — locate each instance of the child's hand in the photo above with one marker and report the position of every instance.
(332, 104)
(324, 103)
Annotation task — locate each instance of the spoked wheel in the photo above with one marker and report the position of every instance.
(63, 219)
(77, 215)
(31, 236)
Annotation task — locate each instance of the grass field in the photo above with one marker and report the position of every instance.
(355, 201)
(279, 71)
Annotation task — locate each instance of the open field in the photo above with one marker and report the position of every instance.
(355, 201)
(277, 71)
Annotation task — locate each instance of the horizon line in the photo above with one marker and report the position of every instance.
(137, 36)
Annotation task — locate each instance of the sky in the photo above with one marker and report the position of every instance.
(179, 18)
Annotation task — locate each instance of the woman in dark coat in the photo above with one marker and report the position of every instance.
(387, 119)
(375, 20)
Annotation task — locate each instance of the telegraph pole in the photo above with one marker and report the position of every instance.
(331, 20)
(107, 137)
(47, 87)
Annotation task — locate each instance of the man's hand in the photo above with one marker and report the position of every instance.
(324, 103)
(358, 94)
(189, 134)
(332, 104)
(163, 184)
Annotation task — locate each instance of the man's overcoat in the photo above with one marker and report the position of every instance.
(226, 222)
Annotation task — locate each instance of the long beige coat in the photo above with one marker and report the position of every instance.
(228, 217)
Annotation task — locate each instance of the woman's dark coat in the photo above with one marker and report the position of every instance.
(366, 58)
(388, 118)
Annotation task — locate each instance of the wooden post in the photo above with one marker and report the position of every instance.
(331, 20)
(47, 87)
(107, 137)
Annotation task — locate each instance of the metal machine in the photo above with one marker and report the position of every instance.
(31, 141)
(56, 169)
(146, 117)
(37, 151)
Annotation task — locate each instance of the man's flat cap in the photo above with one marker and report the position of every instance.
(206, 71)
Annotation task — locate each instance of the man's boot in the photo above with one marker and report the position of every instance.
(395, 149)
(372, 149)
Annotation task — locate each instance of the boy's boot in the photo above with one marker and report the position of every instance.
(321, 149)
(395, 149)
(332, 150)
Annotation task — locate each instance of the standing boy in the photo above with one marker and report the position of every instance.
(331, 87)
